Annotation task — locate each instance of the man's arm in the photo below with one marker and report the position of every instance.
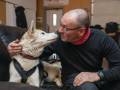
(14, 47)
(85, 77)
(48, 51)
(112, 52)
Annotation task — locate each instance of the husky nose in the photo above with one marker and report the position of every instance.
(56, 32)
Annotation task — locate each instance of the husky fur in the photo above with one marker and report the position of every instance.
(53, 69)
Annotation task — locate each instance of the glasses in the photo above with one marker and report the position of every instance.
(65, 29)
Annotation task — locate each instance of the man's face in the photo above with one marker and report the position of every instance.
(69, 31)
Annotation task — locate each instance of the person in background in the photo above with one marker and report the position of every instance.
(97, 26)
(81, 51)
(112, 29)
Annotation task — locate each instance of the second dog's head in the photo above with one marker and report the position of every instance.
(34, 41)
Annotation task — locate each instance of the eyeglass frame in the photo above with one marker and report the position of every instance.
(68, 29)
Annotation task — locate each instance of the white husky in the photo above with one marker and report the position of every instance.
(23, 66)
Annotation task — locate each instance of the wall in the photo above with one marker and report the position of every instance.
(30, 11)
(40, 14)
(40, 8)
(2, 13)
(72, 5)
(106, 11)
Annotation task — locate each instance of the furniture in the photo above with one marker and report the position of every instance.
(7, 34)
(17, 86)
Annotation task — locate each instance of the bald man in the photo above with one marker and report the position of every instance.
(81, 50)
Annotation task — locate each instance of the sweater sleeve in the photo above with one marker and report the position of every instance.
(49, 50)
(112, 53)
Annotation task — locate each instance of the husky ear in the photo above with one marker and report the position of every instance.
(31, 29)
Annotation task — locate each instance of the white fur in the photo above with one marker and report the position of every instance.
(54, 72)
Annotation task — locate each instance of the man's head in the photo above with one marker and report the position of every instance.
(73, 25)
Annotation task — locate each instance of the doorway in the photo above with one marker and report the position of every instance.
(52, 19)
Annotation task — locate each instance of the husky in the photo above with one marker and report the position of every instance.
(24, 66)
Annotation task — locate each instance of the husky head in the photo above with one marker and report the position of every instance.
(34, 41)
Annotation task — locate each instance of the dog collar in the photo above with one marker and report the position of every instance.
(28, 56)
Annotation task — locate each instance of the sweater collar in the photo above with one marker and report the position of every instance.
(83, 38)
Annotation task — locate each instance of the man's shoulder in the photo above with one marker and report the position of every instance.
(95, 33)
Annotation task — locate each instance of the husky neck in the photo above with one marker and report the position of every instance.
(25, 63)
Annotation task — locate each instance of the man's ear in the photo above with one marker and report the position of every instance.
(81, 32)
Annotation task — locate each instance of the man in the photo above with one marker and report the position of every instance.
(112, 29)
(81, 51)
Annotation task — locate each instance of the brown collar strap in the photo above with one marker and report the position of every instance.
(28, 56)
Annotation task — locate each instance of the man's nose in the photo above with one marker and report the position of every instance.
(61, 30)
